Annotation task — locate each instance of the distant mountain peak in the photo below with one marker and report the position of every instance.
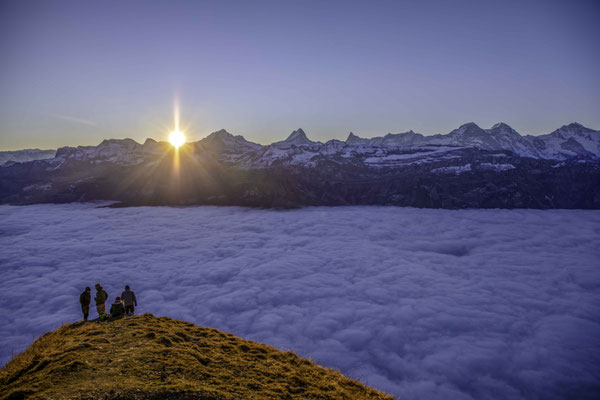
(225, 140)
(219, 133)
(298, 133)
(575, 126)
(501, 125)
(469, 129)
(127, 141)
(470, 125)
(352, 138)
(298, 137)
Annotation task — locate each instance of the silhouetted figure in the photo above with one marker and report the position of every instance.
(129, 300)
(116, 308)
(84, 299)
(101, 297)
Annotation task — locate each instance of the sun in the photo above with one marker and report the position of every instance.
(177, 138)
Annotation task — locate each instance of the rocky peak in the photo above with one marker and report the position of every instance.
(573, 129)
(502, 125)
(222, 140)
(221, 133)
(469, 126)
(502, 130)
(298, 137)
(352, 138)
(468, 130)
(119, 142)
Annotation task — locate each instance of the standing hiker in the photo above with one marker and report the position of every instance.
(129, 300)
(101, 297)
(84, 299)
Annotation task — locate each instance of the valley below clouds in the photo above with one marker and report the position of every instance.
(420, 303)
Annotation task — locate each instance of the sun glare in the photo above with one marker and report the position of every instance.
(177, 138)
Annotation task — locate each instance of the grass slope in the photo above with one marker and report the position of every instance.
(145, 357)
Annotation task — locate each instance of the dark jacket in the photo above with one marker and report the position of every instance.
(129, 298)
(101, 296)
(85, 298)
(117, 309)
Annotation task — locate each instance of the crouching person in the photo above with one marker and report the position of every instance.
(116, 309)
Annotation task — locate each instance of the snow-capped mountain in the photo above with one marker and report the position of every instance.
(469, 135)
(468, 167)
(25, 155)
(571, 140)
(296, 138)
(406, 139)
(222, 140)
(118, 151)
(509, 139)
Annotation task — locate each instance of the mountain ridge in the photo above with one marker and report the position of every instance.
(470, 167)
(558, 144)
(570, 140)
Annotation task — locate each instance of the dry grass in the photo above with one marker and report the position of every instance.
(145, 357)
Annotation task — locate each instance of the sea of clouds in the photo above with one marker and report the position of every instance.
(423, 304)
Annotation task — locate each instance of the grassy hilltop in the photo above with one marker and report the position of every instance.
(145, 357)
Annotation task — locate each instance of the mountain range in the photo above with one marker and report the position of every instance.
(468, 167)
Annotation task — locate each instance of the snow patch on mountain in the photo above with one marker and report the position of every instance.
(496, 167)
(39, 186)
(418, 153)
(457, 170)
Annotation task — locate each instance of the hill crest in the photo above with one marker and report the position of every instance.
(147, 357)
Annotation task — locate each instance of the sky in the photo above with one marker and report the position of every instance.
(421, 303)
(75, 73)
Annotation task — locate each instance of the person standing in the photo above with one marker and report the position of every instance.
(129, 300)
(101, 297)
(84, 299)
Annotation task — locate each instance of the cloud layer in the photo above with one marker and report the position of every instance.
(435, 304)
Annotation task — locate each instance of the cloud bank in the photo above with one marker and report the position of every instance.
(423, 304)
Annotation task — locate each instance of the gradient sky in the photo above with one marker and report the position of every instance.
(76, 72)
